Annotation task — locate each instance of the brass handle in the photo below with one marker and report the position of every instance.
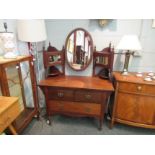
(88, 96)
(60, 94)
(139, 88)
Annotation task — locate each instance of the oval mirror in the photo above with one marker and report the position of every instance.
(79, 49)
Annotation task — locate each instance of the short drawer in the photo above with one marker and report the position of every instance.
(61, 94)
(88, 96)
(75, 108)
(137, 88)
(8, 116)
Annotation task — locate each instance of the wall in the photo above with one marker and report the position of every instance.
(57, 31)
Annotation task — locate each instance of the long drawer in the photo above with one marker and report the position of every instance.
(137, 88)
(75, 107)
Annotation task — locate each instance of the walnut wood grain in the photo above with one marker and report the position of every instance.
(132, 78)
(76, 96)
(134, 101)
(80, 82)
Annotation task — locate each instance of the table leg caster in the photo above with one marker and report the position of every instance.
(48, 122)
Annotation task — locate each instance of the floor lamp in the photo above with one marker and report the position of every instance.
(128, 44)
(32, 32)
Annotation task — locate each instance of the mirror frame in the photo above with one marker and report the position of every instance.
(92, 48)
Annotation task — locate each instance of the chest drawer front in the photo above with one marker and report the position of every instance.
(8, 116)
(88, 96)
(75, 107)
(137, 88)
(61, 94)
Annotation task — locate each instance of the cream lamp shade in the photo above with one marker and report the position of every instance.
(32, 30)
(153, 23)
(129, 42)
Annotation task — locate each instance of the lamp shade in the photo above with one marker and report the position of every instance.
(31, 30)
(153, 23)
(129, 42)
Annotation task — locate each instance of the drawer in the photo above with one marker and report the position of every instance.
(88, 96)
(75, 108)
(8, 116)
(137, 88)
(61, 94)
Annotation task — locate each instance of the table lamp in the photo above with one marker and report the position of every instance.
(129, 44)
(7, 42)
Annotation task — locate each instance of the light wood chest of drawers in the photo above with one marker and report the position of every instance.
(134, 101)
(76, 96)
(9, 111)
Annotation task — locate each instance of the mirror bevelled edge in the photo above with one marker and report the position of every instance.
(79, 49)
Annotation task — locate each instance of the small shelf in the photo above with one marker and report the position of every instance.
(55, 63)
(53, 58)
(103, 60)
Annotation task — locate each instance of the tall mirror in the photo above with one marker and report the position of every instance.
(79, 49)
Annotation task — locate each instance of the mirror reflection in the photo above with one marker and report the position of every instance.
(79, 47)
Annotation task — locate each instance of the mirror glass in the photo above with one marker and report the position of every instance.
(79, 49)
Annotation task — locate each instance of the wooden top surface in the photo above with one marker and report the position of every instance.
(132, 78)
(83, 82)
(5, 61)
(6, 102)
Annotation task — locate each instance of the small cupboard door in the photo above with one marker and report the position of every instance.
(135, 108)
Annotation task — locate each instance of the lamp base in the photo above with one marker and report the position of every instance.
(10, 55)
(125, 72)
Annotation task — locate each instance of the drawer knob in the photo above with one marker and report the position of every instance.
(139, 88)
(60, 94)
(88, 96)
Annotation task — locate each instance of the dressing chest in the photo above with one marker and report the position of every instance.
(76, 96)
(82, 96)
